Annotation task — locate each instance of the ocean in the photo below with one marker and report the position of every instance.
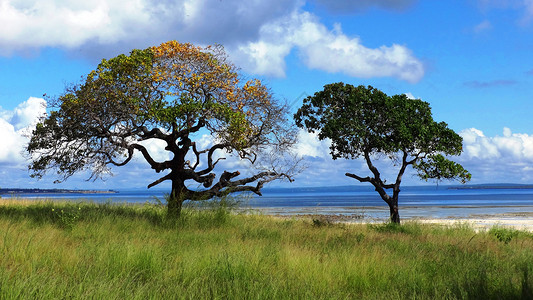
(355, 201)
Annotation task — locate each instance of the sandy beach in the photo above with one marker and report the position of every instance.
(471, 216)
(520, 221)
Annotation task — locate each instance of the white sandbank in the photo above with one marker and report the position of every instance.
(484, 223)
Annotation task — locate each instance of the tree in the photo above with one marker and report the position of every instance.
(365, 122)
(171, 93)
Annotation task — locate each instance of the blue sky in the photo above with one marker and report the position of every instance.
(471, 60)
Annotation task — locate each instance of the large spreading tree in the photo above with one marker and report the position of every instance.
(172, 93)
(365, 122)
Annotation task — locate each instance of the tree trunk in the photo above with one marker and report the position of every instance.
(394, 214)
(175, 200)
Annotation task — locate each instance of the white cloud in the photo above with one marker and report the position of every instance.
(11, 142)
(324, 49)
(515, 147)
(70, 23)
(156, 149)
(26, 113)
(309, 145)
(506, 158)
(410, 96)
(477, 146)
(108, 27)
(14, 127)
(260, 34)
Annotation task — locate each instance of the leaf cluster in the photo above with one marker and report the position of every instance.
(361, 121)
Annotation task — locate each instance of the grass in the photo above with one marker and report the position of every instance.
(60, 250)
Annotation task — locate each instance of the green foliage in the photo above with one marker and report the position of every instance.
(321, 221)
(362, 120)
(506, 235)
(439, 168)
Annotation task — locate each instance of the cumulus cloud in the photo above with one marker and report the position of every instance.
(327, 50)
(260, 34)
(508, 157)
(410, 96)
(309, 145)
(27, 113)
(66, 23)
(112, 26)
(14, 127)
(517, 147)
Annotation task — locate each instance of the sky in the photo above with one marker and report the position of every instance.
(470, 59)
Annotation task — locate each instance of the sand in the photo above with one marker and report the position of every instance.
(519, 221)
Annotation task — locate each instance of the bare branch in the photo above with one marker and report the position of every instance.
(361, 179)
(166, 177)
(225, 186)
(210, 164)
(158, 167)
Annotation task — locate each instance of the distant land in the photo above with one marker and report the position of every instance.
(366, 188)
(319, 189)
(492, 186)
(52, 191)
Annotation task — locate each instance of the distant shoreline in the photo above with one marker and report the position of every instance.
(491, 187)
(53, 191)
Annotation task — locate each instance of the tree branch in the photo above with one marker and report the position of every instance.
(111, 161)
(361, 179)
(154, 133)
(210, 164)
(405, 163)
(197, 154)
(158, 167)
(166, 177)
(185, 132)
(225, 186)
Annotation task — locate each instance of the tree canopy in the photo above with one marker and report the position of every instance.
(169, 93)
(365, 122)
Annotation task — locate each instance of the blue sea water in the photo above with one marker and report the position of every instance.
(414, 202)
(418, 201)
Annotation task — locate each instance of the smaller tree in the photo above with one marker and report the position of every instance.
(365, 122)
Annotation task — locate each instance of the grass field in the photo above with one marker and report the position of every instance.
(64, 250)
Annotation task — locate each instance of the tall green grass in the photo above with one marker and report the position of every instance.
(60, 250)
